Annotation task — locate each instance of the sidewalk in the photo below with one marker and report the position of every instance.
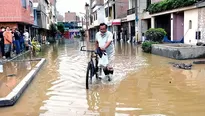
(15, 75)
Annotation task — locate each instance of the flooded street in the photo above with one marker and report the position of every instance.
(143, 85)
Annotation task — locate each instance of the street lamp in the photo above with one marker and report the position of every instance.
(86, 15)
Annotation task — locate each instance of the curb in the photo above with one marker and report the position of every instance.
(4, 60)
(15, 94)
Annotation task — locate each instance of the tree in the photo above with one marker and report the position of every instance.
(53, 31)
(61, 28)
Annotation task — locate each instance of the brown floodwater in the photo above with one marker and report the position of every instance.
(142, 85)
(12, 73)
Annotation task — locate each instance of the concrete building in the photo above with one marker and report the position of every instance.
(108, 11)
(96, 16)
(17, 14)
(71, 17)
(179, 23)
(42, 16)
(60, 18)
(115, 10)
(53, 11)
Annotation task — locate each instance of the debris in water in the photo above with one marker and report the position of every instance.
(183, 66)
(199, 62)
(11, 75)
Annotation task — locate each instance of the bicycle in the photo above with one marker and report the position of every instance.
(92, 68)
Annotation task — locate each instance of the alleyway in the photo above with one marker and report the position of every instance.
(143, 85)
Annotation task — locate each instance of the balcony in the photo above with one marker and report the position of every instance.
(97, 3)
(131, 11)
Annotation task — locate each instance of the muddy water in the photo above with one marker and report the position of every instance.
(11, 73)
(143, 85)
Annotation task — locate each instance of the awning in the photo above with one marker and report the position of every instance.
(116, 22)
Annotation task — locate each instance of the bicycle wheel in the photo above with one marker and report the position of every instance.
(88, 75)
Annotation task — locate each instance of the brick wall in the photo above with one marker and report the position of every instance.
(121, 7)
(12, 11)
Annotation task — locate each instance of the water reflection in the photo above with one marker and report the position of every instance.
(143, 85)
(12, 74)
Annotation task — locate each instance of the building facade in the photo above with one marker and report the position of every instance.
(71, 17)
(17, 14)
(53, 11)
(33, 15)
(108, 11)
(180, 23)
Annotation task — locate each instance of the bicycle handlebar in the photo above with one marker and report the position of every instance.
(81, 49)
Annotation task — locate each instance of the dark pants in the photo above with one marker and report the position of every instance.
(2, 49)
(17, 46)
(7, 50)
(22, 44)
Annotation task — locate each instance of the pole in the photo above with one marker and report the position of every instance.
(108, 10)
(136, 22)
(82, 33)
(86, 20)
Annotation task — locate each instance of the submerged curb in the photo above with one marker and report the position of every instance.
(15, 94)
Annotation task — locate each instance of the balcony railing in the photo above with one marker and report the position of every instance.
(131, 11)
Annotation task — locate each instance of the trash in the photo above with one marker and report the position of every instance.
(199, 62)
(183, 66)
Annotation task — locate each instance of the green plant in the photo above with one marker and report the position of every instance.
(147, 46)
(155, 34)
(61, 28)
(169, 5)
(77, 36)
(53, 31)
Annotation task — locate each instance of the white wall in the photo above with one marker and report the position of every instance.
(130, 4)
(189, 34)
(100, 16)
(131, 17)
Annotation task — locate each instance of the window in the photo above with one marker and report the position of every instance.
(110, 11)
(31, 8)
(133, 3)
(190, 24)
(23, 3)
(148, 3)
(114, 12)
(106, 12)
(96, 16)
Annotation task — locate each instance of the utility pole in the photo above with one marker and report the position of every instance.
(108, 3)
(136, 20)
(82, 34)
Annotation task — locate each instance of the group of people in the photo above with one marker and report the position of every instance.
(11, 40)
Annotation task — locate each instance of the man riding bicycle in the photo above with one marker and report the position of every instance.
(104, 42)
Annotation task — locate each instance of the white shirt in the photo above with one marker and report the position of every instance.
(26, 35)
(103, 39)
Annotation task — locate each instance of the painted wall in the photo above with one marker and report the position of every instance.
(13, 11)
(70, 17)
(178, 26)
(100, 16)
(131, 4)
(201, 24)
(190, 15)
(121, 7)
